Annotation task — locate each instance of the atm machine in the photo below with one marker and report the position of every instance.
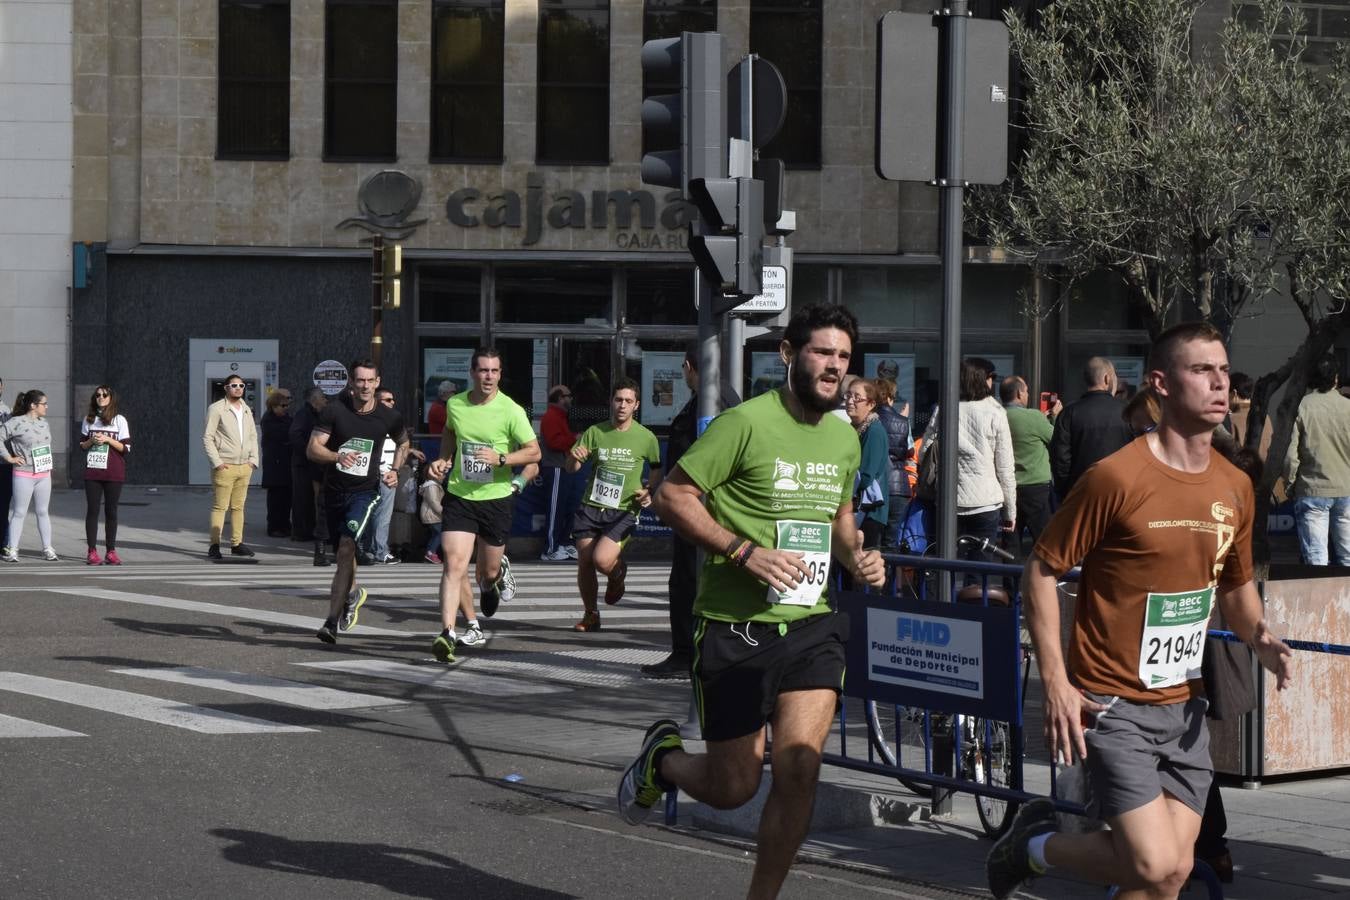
(210, 363)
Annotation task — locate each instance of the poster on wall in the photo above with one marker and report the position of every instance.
(664, 392)
(1129, 370)
(899, 367)
(767, 372)
(443, 364)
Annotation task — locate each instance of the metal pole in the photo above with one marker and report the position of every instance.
(951, 185)
(377, 299)
(733, 356)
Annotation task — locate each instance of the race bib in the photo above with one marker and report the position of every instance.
(97, 457)
(606, 488)
(362, 448)
(470, 467)
(812, 540)
(1174, 637)
(41, 458)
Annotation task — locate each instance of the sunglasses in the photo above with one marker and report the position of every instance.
(237, 384)
(102, 394)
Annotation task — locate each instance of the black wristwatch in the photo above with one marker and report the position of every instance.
(501, 459)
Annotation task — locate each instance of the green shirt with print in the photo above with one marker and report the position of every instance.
(616, 463)
(771, 479)
(500, 424)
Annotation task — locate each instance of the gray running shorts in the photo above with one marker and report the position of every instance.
(1138, 750)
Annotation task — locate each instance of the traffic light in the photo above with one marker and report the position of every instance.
(730, 251)
(692, 123)
(391, 270)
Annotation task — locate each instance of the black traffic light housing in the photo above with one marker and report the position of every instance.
(691, 125)
(730, 251)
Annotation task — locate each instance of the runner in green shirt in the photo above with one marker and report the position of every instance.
(486, 433)
(613, 496)
(777, 473)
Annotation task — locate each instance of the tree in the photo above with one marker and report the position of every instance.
(1207, 179)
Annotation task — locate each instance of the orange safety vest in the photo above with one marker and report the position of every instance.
(912, 465)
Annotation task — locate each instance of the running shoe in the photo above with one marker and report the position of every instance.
(443, 648)
(614, 585)
(391, 560)
(674, 667)
(240, 550)
(571, 552)
(112, 559)
(506, 582)
(9, 554)
(92, 557)
(589, 622)
(49, 554)
(213, 552)
(351, 610)
(473, 636)
(557, 554)
(1009, 863)
(489, 598)
(327, 633)
(642, 786)
(433, 557)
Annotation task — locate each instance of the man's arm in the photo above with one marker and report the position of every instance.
(576, 457)
(846, 544)
(1061, 453)
(400, 455)
(438, 466)
(1242, 611)
(643, 496)
(318, 451)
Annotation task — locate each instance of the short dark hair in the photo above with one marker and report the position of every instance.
(974, 381)
(365, 362)
(809, 319)
(1008, 388)
(691, 352)
(1242, 384)
(624, 383)
(487, 350)
(1164, 349)
(1324, 374)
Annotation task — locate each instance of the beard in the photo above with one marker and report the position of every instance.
(803, 385)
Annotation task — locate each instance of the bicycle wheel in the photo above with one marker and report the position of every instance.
(992, 764)
(897, 735)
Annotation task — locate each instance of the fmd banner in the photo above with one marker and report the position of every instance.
(929, 652)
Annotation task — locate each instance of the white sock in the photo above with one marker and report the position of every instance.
(472, 623)
(1036, 850)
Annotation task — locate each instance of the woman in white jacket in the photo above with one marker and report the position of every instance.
(986, 486)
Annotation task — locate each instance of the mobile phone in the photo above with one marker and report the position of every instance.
(1048, 400)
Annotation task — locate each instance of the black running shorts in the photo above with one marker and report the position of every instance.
(740, 668)
(594, 522)
(347, 513)
(489, 519)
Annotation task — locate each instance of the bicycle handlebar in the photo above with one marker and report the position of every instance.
(986, 546)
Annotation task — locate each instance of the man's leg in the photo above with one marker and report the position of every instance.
(587, 584)
(344, 577)
(1340, 530)
(456, 550)
(726, 775)
(221, 486)
(238, 493)
(1148, 851)
(1313, 516)
(553, 483)
(384, 514)
(488, 566)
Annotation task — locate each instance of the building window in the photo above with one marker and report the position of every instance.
(361, 80)
(788, 34)
(467, 38)
(254, 104)
(666, 19)
(573, 117)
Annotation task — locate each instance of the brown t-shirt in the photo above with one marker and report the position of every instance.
(1141, 528)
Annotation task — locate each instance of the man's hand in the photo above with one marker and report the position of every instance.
(436, 468)
(781, 570)
(347, 459)
(390, 478)
(1007, 526)
(643, 496)
(486, 455)
(1064, 708)
(1273, 653)
(867, 565)
(222, 466)
(580, 452)
(417, 454)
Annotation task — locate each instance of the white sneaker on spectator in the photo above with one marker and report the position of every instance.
(557, 554)
(571, 552)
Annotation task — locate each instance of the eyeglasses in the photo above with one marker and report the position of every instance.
(40, 403)
(389, 400)
(854, 398)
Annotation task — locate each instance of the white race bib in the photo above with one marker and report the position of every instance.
(606, 488)
(97, 457)
(362, 448)
(1173, 644)
(812, 540)
(41, 457)
(470, 467)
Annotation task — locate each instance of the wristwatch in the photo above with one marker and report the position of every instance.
(501, 459)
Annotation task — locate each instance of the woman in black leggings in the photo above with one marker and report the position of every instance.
(106, 441)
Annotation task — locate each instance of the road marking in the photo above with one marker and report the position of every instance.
(141, 706)
(278, 690)
(13, 727)
(443, 678)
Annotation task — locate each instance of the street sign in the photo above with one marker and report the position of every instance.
(775, 293)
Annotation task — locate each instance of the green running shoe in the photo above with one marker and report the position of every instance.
(351, 610)
(641, 786)
(443, 648)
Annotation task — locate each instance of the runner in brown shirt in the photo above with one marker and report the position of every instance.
(1163, 530)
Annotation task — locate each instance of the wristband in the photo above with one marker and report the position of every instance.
(517, 484)
(741, 554)
(732, 547)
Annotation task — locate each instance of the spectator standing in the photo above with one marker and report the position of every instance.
(6, 473)
(28, 448)
(276, 462)
(430, 493)
(563, 487)
(106, 441)
(1240, 388)
(231, 444)
(896, 424)
(871, 495)
(1031, 431)
(436, 415)
(1090, 428)
(306, 475)
(373, 547)
(1317, 465)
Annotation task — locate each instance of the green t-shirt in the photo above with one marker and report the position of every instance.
(769, 477)
(616, 463)
(500, 424)
(1031, 432)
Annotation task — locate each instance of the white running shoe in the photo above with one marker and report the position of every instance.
(557, 554)
(473, 636)
(49, 554)
(506, 582)
(9, 554)
(571, 552)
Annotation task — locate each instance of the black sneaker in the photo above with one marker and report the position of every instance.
(320, 558)
(491, 597)
(327, 633)
(1008, 864)
(672, 668)
(240, 550)
(213, 552)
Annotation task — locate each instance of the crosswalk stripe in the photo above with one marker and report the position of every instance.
(14, 727)
(141, 706)
(440, 677)
(279, 690)
(305, 623)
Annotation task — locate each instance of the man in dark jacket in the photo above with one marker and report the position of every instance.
(304, 474)
(1090, 428)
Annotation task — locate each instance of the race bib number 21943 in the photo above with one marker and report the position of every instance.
(1173, 644)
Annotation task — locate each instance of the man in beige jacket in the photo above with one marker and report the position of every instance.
(231, 442)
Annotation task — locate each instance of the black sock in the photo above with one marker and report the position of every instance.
(445, 632)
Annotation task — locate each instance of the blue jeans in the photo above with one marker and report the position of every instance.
(375, 540)
(1318, 516)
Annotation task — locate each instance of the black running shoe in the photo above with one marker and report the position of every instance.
(240, 550)
(1008, 864)
(672, 668)
(213, 552)
(490, 598)
(327, 633)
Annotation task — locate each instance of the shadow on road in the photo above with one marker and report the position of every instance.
(400, 870)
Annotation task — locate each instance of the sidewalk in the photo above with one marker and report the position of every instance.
(1288, 840)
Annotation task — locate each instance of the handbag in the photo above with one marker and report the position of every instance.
(927, 487)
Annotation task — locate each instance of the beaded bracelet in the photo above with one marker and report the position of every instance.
(742, 555)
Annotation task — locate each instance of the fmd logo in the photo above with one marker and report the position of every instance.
(923, 631)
